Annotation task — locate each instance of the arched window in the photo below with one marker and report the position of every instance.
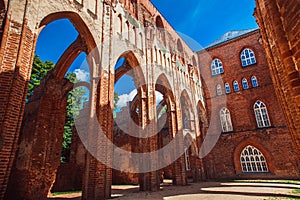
(252, 160)
(247, 57)
(245, 84)
(219, 90)
(160, 57)
(254, 81)
(155, 55)
(217, 67)
(187, 159)
(140, 41)
(133, 36)
(119, 24)
(225, 120)
(126, 31)
(261, 114)
(236, 86)
(227, 88)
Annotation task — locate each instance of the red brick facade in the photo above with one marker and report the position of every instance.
(275, 142)
(280, 29)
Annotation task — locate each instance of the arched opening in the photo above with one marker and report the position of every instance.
(129, 86)
(172, 172)
(166, 127)
(194, 61)
(159, 23)
(160, 30)
(180, 52)
(179, 47)
(119, 24)
(188, 120)
(140, 41)
(188, 128)
(134, 36)
(190, 158)
(126, 33)
(71, 169)
(52, 104)
(199, 173)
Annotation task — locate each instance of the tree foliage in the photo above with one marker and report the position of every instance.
(76, 99)
(39, 71)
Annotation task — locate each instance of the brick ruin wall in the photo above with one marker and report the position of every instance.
(34, 169)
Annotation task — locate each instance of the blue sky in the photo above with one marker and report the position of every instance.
(206, 20)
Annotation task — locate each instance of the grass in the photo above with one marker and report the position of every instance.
(283, 198)
(296, 191)
(67, 192)
(270, 181)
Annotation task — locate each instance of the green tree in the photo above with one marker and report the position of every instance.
(76, 99)
(39, 71)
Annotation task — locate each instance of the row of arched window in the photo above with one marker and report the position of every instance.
(261, 116)
(236, 86)
(247, 58)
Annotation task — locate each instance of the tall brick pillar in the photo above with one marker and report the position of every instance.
(280, 27)
(97, 178)
(179, 165)
(16, 54)
(149, 181)
(176, 166)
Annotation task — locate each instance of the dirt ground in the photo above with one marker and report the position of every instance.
(204, 190)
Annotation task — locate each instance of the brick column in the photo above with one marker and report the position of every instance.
(97, 179)
(149, 181)
(16, 54)
(179, 175)
(279, 28)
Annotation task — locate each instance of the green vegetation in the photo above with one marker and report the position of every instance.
(270, 181)
(296, 191)
(116, 99)
(116, 108)
(289, 196)
(76, 99)
(39, 71)
(67, 192)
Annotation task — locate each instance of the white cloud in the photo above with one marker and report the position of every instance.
(82, 75)
(124, 98)
(159, 97)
